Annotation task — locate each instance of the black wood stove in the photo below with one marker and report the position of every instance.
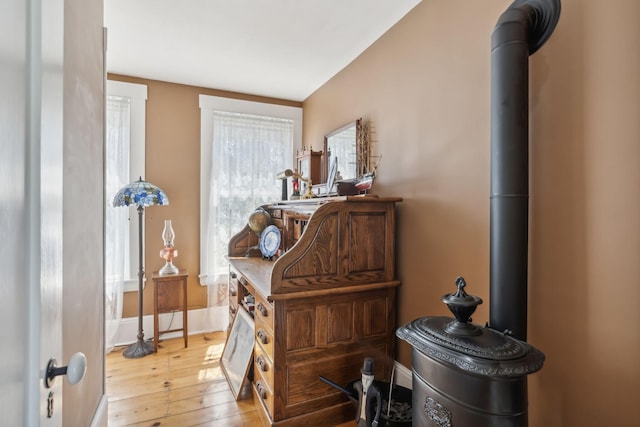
(470, 376)
(466, 375)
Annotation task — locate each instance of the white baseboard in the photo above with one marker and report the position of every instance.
(100, 418)
(200, 320)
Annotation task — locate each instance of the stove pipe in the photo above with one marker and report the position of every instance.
(521, 30)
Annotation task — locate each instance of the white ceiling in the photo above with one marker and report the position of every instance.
(278, 48)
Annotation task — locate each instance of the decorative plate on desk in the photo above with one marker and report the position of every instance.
(269, 241)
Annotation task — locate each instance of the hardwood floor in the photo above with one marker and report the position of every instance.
(177, 386)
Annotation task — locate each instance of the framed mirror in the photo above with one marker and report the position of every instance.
(348, 149)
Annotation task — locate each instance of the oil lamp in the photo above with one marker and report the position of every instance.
(169, 252)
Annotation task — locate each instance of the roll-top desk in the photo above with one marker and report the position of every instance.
(327, 302)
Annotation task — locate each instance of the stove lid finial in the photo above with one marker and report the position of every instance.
(462, 305)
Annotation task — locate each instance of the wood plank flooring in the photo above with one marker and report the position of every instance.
(177, 386)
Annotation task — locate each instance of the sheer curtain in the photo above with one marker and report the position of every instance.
(246, 154)
(118, 130)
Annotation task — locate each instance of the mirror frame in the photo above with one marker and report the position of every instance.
(361, 152)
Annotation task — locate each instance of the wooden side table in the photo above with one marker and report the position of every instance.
(170, 294)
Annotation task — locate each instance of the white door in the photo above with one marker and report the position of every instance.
(30, 209)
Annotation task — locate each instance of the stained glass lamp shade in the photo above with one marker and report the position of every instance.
(141, 194)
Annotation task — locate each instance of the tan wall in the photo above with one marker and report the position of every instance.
(173, 163)
(425, 87)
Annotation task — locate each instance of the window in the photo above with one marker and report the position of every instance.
(124, 162)
(244, 145)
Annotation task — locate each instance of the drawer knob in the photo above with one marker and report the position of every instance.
(263, 310)
(233, 275)
(233, 292)
(262, 364)
(261, 391)
(264, 339)
(232, 310)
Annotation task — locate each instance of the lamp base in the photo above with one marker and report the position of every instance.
(138, 349)
(168, 268)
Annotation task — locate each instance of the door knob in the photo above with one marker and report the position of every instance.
(74, 370)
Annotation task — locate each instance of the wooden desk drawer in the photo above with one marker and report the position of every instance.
(233, 310)
(264, 312)
(233, 276)
(263, 392)
(234, 287)
(263, 363)
(264, 338)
